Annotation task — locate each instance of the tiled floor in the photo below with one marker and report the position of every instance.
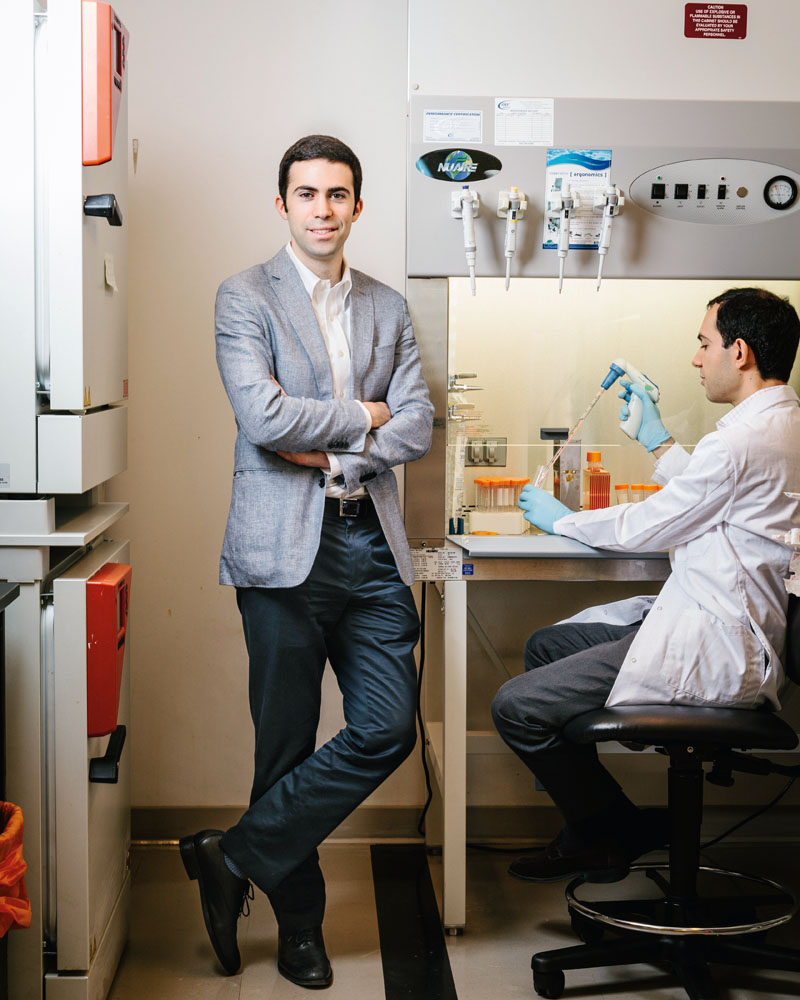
(169, 958)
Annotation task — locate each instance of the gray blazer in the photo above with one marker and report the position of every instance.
(265, 325)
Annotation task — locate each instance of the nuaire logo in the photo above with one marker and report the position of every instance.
(457, 165)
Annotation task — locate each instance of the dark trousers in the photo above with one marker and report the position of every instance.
(569, 669)
(355, 611)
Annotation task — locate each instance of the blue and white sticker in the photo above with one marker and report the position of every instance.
(587, 172)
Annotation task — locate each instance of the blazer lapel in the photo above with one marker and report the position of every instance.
(296, 304)
(362, 333)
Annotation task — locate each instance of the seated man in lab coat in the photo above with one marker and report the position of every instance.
(715, 634)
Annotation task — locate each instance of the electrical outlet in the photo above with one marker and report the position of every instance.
(486, 451)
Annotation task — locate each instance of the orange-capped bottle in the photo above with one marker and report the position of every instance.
(596, 483)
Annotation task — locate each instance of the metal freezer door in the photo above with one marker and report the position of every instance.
(89, 887)
(86, 365)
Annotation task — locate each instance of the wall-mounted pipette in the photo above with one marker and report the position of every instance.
(561, 205)
(614, 373)
(511, 207)
(609, 203)
(464, 206)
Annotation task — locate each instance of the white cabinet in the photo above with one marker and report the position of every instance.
(79, 451)
(88, 865)
(63, 279)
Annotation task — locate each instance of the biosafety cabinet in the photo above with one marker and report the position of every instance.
(707, 196)
(630, 216)
(63, 434)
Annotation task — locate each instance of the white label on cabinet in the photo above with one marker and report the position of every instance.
(436, 564)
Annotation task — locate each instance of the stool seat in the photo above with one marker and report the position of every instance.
(664, 724)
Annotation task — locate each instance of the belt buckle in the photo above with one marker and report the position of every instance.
(349, 507)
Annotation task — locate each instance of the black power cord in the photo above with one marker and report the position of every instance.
(420, 724)
(752, 816)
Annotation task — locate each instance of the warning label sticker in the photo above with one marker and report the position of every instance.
(715, 20)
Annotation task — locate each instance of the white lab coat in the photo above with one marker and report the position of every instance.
(716, 633)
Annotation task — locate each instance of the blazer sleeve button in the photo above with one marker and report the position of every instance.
(322, 481)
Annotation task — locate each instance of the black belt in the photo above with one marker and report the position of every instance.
(349, 506)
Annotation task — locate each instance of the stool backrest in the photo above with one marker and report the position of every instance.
(793, 639)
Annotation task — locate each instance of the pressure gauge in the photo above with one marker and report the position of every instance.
(780, 192)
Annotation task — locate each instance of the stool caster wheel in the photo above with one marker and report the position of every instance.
(549, 984)
(588, 931)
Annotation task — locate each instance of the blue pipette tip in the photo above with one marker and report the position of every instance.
(614, 373)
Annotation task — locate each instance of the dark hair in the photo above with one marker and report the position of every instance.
(319, 147)
(767, 323)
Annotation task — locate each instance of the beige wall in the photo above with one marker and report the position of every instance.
(217, 92)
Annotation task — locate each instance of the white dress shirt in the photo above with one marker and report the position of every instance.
(716, 633)
(331, 305)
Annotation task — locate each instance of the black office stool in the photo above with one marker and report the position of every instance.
(680, 929)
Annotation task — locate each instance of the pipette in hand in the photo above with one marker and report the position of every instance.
(614, 372)
(632, 421)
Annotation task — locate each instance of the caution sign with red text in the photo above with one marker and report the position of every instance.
(715, 20)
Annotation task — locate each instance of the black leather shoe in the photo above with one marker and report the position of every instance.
(222, 893)
(604, 862)
(302, 959)
(607, 860)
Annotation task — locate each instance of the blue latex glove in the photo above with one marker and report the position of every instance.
(652, 431)
(541, 508)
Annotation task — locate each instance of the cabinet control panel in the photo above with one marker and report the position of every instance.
(719, 191)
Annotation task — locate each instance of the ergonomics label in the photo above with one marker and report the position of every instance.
(586, 173)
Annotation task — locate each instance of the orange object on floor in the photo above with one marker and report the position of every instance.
(15, 907)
